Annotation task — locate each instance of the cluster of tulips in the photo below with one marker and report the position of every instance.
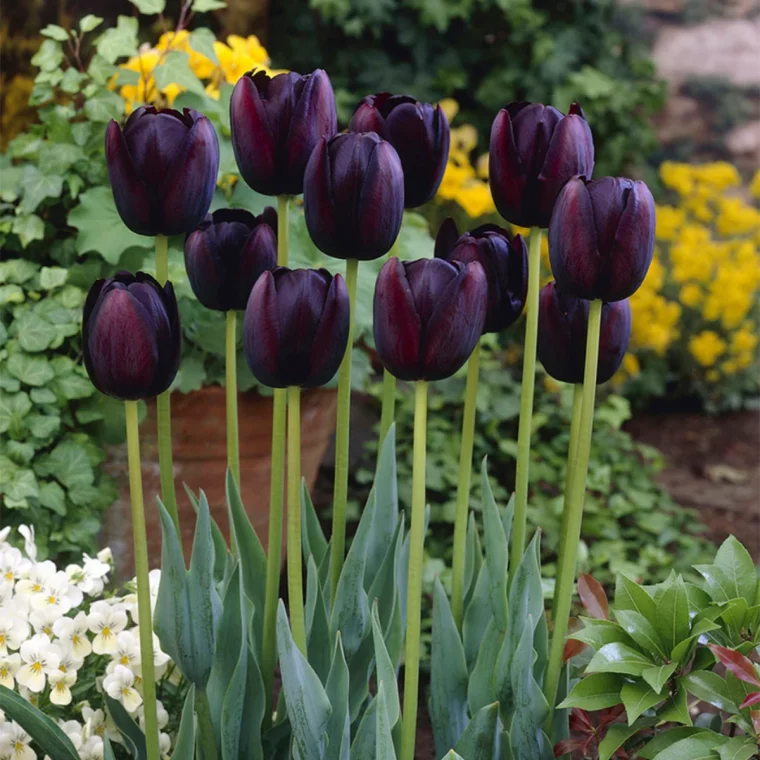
(429, 314)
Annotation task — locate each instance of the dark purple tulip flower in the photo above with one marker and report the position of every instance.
(418, 131)
(562, 328)
(354, 196)
(163, 168)
(428, 316)
(601, 237)
(296, 327)
(226, 254)
(276, 122)
(131, 336)
(534, 151)
(504, 260)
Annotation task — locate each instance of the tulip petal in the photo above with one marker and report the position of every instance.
(396, 324)
(506, 177)
(367, 118)
(129, 192)
(446, 239)
(428, 278)
(562, 325)
(331, 338)
(261, 334)
(613, 340)
(258, 255)
(318, 202)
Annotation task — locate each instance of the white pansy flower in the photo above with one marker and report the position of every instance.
(13, 629)
(60, 686)
(69, 663)
(119, 685)
(72, 633)
(14, 743)
(41, 658)
(4, 533)
(127, 652)
(57, 594)
(164, 744)
(43, 620)
(107, 623)
(9, 665)
(35, 579)
(13, 565)
(95, 575)
(27, 531)
(162, 716)
(95, 722)
(92, 749)
(73, 730)
(106, 555)
(6, 593)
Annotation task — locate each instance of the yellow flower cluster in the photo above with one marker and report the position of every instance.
(234, 58)
(703, 288)
(462, 182)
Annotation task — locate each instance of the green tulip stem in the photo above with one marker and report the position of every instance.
(573, 513)
(206, 741)
(233, 441)
(295, 569)
(276, 494)
(163, 407)
(143, 584)
(526, 404)
(388, 409)
(463, 488)
(414, 583)
(340, 488)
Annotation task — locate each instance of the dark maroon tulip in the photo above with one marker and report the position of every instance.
(226, 254)
(296, 327)
(504, 261)
(601, 237)
(418, 131)
(428, 316)
(562, 328)
(131, 335)
(534, 151)
(276, 122)
(354, 196)
(163, 168)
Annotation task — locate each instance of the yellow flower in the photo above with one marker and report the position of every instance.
(678, 177)
(706, 347)
(450, 107)
(669, 222)
(631, 365)
(482, 166)
(743, 340)
(145, 91)
(690, 295)
(712, 376)
(754, 187)
(475, 198)
(240, 55)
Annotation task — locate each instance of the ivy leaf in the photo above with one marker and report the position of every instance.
(43, 425)
(119, 41)
(90, 22)
(34, 334)
(68, 463)
(104, 106)
(149, 7)
(55, 32)
(50, 55)
(53, 497)
(53, 277)
(28, 227)
(30, 370)
(202, 41)
(37, 187)
(176, 70)
(201, 6)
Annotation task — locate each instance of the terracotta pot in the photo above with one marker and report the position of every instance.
(200, 461)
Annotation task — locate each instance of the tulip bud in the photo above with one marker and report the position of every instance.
(131, 335)
(276, 122)
(296, 327)
(534, 151)
(354, 196)
(418, 131)
(163, 168)
(504, 261)
(428, 316)
(562, 329)
(601, 237)
(226, 254)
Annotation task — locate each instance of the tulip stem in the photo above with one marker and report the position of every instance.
(414, 582)
(340, 488)
(463, 487)
(526, 404)
(276, 488)
(143, 583)
(295, 579)
(162, 259)
(233, 442)
(571, 522)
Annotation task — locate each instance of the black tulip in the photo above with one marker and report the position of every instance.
(354, 196)
(163, 168)
(504, 260)
(226, 254)
(534, 150)
(131, 335)
(296, 327)
(276, 122)
(562, 330)
(418, 131)
(601, 237)
(428, 316)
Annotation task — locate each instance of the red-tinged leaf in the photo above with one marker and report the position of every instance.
(573, 647)
(737, 663)
(750, 699)
(755, 715)
(566, 747)
(580, 721)
(593, 597)
(610, 715)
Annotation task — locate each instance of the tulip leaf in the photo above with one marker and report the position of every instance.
(45, 731)
(185, 742)
(312, 537)
(364, 744)
(318, 639)
(497, 552)
(478, 613)
(478, 740)
(384, 749)
(339, 722)
(108, 750)
(480, 689)
(473, 559)
(133, 736)
(385, 669)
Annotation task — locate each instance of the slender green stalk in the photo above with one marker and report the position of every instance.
(526, 404)
(206, 740)
(143, 584)
(463, 488)
(340, 488)
(414, 582)
(276, 495)
(571, 523)
(233, 442)
(388, 411)
(295, 569)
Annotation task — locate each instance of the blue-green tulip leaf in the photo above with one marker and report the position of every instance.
(497, 552)
(313, 539)
(473, 559)
(478, 613)
(480, 689)
(365, 740)
(339, 724)
(479, 738)
(222, 557)
(132, 734)
(384, 749)
(318, 638)
(385, 670)
(184, 744)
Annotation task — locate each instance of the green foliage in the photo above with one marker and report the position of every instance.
(484, 53)
(49, 411)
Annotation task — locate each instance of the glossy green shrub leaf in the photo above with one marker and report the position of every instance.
(308, 706)
(339, 723)
(738, 748)
(595, 692)
(497, 551)
(384, 749)
(619, 658)
(184, 744)
(735, 561)
(642, 632)
(676, 709)
(617, 735)
(448, 675)
(703, 746)
(479, 738)
(657, 675)
(710, 688)
(672, 621)
(637, 698)
(668, 738)
(631, 596)
(598, 633)
(45, 732)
